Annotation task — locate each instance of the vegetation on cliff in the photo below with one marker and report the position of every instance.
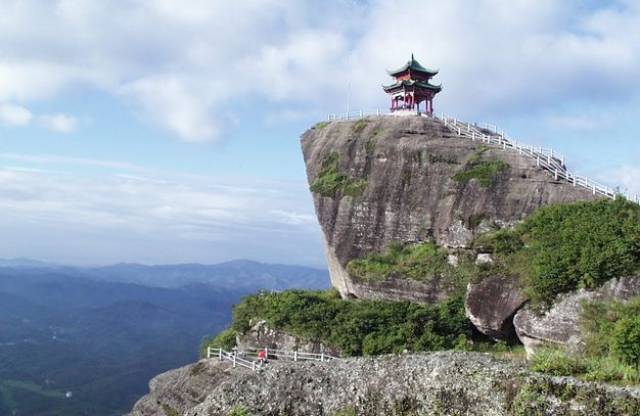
(611, 351)
(421, 261)
(486, 172)
(561, 248)
(356, 327)
(330, 182)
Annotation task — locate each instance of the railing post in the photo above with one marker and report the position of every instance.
(555, 174)
(253, 365)
(220, 354)
(361, 114)
(234, 359)
(295, 355)
(538, 160)
(322, 356)
(377, 111)
(266, 353)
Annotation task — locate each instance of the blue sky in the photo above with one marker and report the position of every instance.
(163, 131)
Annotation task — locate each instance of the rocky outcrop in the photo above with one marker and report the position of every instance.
(444, 383)
(262, 336)
(404, 169)
(560, 325)
(491, 305)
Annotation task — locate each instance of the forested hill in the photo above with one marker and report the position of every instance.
(93, 333)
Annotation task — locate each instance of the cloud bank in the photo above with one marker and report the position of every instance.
(118, 214)
(188, 66)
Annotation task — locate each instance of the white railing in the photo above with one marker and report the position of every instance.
(545, 158)
(353, 115)
(233, 358)
(239, 358)
(290, 355)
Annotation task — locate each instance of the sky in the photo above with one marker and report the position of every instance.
(167, 131)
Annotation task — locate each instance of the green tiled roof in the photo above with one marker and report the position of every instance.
(409, 83)
(414, 66)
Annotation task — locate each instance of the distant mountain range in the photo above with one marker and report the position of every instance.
(101, 333)
(235, 274)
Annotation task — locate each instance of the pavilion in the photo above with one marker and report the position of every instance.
(412, 87)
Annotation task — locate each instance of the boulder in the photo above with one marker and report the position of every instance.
(491, 305)
(262, 336)
(405, 170)
(560, 325)
(440, 383)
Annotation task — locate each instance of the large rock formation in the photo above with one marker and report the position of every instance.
(560, 325)
(491, 305)
(404, 169)
(262, 336)
(444, 383)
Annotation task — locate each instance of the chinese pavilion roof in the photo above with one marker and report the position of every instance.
(411, 83)
(414, 66)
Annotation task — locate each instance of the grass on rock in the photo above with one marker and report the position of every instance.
(330, 182)
(486, 172)
(421, 261)
(561, 248)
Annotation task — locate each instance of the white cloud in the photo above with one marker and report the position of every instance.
(59, 123)
(152, 217)
(189, 66)
(628, 177)
(173, 105)
(67, 160)
(14, 115)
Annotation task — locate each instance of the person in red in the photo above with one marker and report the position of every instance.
(262, 356)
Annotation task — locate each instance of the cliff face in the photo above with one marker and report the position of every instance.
(405, 181)
(444, 383)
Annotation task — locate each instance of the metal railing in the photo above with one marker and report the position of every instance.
(233, 358)
(546, 158)
(290, 355)
(245, 359)
(353, 115)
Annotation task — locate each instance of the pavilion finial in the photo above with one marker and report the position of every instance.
(412, 57)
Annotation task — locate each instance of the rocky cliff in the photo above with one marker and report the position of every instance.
(410, 179)
(444, 383)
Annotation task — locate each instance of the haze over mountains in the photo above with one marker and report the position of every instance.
(101, 333)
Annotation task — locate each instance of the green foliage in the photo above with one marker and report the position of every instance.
(611, 334)
(484, 171)
(557, 362)
(169, 411)
(626, 340)
(225, 339)
(421, 261)
(561, 248)
(238, 411)
(372, 141)
(321, 125)
(501, 242)
(347, 411)
(360, 125)
(446, 159)
(330, 182)
(357, 327)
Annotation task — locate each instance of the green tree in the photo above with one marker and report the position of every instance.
(626, 340)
